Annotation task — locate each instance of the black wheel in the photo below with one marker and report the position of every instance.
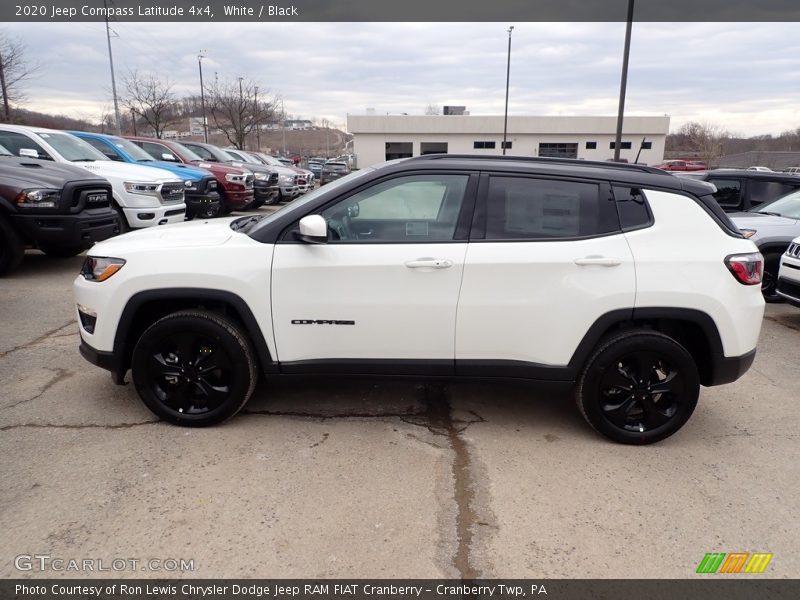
(194, 368)
(224, 205)
(61, 252)
(122, 221)
(638, 387)
(769, 280)
(12, 249)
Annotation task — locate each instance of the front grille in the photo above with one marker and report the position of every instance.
(91, 198)
(793, 250)
(273, 179)
(172, 192)
(248, 182)
(789, 288)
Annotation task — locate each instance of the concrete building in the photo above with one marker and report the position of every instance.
(378, 138)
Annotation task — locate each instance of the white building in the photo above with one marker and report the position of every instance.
(378, 138)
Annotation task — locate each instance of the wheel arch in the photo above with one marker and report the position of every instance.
(146, 307)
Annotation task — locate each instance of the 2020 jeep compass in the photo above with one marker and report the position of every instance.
(621, 281)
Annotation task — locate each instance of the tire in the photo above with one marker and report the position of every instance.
(12, 250)
(769, 280)
(194, 368)
(61, 252)
(224, 205)
(124, 226)
(612, 379)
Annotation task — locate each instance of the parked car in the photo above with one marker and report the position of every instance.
(265, 191)
(788, 286)
(792, 170)
(740, 189)
(60, 209)
(315, 167)
(331, 171)
(289, 180)
(200, 185)
(760, 169)
(441, 265)
(274, 180)
(772, 226)
(304, 178)
(142, 196)
(682, 165)
(234, 185)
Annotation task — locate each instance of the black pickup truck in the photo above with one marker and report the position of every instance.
(60, 209)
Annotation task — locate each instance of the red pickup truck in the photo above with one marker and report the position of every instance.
(682, 165)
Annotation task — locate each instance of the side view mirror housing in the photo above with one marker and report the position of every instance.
(28, 153)
(313, 229)
(168, 156)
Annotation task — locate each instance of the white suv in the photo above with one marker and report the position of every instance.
(620, 281)
(143, 196)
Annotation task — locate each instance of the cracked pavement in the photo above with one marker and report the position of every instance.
(343, 478)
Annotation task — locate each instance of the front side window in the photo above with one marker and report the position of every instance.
(155, 150)
(527, 208)
(15, 142)
(416, 208)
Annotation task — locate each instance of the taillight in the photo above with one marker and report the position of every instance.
(747, 268)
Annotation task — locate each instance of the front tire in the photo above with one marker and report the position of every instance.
(639, 387)
(12, 250)
(194, 368)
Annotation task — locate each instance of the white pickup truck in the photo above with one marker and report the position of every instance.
(143, 196)
(622, 282)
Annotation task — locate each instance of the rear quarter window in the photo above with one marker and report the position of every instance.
(632, 207)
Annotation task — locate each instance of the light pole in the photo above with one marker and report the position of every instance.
(113, 80)
(623, 84)
(508, 79)
(200, 58)
(258, 134)
(283, 126)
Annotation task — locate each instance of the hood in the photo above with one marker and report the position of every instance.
(251, 167)
(755, 221)
(127, 171)
(183, 171)
(193, 233)
(37, 173)
(219, 169)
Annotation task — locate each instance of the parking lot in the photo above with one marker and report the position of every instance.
(342, 478)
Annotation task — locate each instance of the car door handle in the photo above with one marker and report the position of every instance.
(430, 263)
(602, 261)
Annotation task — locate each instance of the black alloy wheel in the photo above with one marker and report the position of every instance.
(639, 387)
(194, 368)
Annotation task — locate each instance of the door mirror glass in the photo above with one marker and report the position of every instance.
(28, 153)
(313, 229)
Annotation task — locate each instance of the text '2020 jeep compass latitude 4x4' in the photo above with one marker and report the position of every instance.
(622, 281)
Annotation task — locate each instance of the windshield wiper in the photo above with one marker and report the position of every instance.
(765, 212)
(82, 160)
(246, 222)
(146, 160)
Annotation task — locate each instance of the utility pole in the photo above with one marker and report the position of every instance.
(256, 115)
(508, 79)
(111, 63)
(623, 84)
(200, 58)
(283, 126)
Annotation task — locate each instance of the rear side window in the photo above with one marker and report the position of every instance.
(528, 208)
(632, 208)
(729, 192)
(764, 190)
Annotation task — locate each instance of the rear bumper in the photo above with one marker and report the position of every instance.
(729, 369)
(71, 230)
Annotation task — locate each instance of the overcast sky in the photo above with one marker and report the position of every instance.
(743, 76)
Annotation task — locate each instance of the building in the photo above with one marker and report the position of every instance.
(298, 124)
(378, 138)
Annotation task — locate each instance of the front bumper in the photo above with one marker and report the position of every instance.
(157, 215)
(239, 198)
(104, 360)
(68, 230)
(788, 286)
(202, 205)
(264, 194)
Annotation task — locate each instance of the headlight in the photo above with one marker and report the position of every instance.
(99, 268)
(748, 233)
(287, 178)
(262, 176)
(189, 184)
(38, 198)
(235, 178)
(148, 189)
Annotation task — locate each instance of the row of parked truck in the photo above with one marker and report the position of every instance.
(62, 191)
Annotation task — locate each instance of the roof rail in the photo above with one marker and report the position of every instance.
(548, 160)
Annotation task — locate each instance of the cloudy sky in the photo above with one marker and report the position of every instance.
(743, 76)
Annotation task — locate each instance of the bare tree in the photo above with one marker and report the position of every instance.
(236, 109)
(705, 138)
(152, 101)
(14, 70)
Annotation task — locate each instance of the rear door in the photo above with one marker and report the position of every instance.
(546, 259)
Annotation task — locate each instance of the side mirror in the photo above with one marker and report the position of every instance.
(313, 229)
(28, 153)
(169, 157)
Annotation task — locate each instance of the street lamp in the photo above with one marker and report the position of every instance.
(623, 84)
(508, 79)
(200, 58)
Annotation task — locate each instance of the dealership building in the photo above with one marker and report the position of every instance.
(377, 138)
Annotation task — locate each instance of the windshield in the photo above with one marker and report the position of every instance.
(188, 153)
(132, 149)
(299, 205)
(270, 160)
(240, 156)
(787, 206)
(72, 148)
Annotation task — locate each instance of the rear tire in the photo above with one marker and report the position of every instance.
(639, 387)
(194, 368)
(12, 250)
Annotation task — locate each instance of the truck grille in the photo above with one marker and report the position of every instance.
(273, 179)
(793, 250)
(90, 198)
(172, 192)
